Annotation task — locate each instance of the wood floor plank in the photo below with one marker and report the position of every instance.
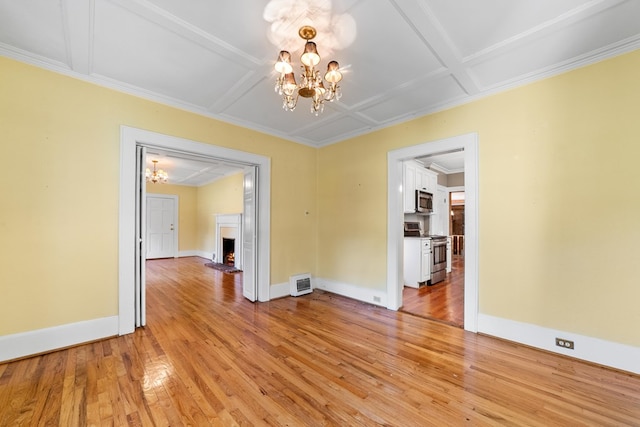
(210, 357)
(443, 301)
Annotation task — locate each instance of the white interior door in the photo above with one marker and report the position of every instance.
(161, 226)
(249, 235)
(139, 285)
(441, 207)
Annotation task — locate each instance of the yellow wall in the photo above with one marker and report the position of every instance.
(558, 196)
(187, 212)
(59, 223)
(224, 196)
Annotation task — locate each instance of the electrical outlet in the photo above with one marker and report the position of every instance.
(376, 299)
(561, 342)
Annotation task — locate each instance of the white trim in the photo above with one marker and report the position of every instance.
(395, 216)
(607, 353)
(229, 221)
(359, 293)
(49, 339)
(200, 254)
(176, 219)
(129, 138)
(279, 290)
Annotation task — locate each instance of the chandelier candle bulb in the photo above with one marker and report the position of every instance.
(283, 66)
(289, 86)
(311, 86)
(333, 74)
(310, 57)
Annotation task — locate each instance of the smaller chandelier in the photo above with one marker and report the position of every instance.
(311, 86)
(156, 175)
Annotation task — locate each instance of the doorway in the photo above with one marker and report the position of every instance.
(395, 275)
(456, 222)
(260, 173)
(443, 298)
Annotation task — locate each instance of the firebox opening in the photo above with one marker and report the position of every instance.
(228, 251)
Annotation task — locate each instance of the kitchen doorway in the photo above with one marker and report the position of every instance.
(444, 300)
(468, 143)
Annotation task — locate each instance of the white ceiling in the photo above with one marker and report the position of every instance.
(189, 170)
(446, 163)
(402, 58)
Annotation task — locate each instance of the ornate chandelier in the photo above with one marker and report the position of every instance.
(311, 85)
(157, 175)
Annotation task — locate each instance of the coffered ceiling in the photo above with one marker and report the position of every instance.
(189, 170)
(401, 58)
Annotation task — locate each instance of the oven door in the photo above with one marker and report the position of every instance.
(438, 260)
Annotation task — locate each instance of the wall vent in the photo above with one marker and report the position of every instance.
(300, 284)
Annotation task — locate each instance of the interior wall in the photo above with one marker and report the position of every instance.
(565, 142)
(60, 226)
(442, 178)
(223, 196)
(455, 180)
(559, 251)
(187, 212)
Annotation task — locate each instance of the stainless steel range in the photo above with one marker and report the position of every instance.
(438, 258)
(438, 247)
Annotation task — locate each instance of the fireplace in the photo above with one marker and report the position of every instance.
(228, 251)
(228, 240)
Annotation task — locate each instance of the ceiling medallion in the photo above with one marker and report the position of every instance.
(156, 175)
(311, 86)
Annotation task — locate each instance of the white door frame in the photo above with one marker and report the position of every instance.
(129, 139)
(395, 215)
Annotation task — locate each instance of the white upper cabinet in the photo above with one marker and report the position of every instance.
(426, 180)
(417, 177)
(409, 187)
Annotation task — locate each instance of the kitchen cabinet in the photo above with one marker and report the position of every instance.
(409, 187)
(417, 261)
(426, 180)
(416, 177)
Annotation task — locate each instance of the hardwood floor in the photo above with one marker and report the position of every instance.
(209, 357)
(443, 301)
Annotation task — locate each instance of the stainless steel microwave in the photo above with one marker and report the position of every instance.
(424, 202)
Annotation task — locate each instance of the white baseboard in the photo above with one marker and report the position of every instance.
(607, 353)
(371, 296)
(279, 290)
(201, 254)
(44, 340)
(351, 291)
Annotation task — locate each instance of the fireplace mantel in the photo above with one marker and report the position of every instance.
(229, 226)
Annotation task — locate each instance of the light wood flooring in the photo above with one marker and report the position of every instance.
(208, 357)
(443, 301)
